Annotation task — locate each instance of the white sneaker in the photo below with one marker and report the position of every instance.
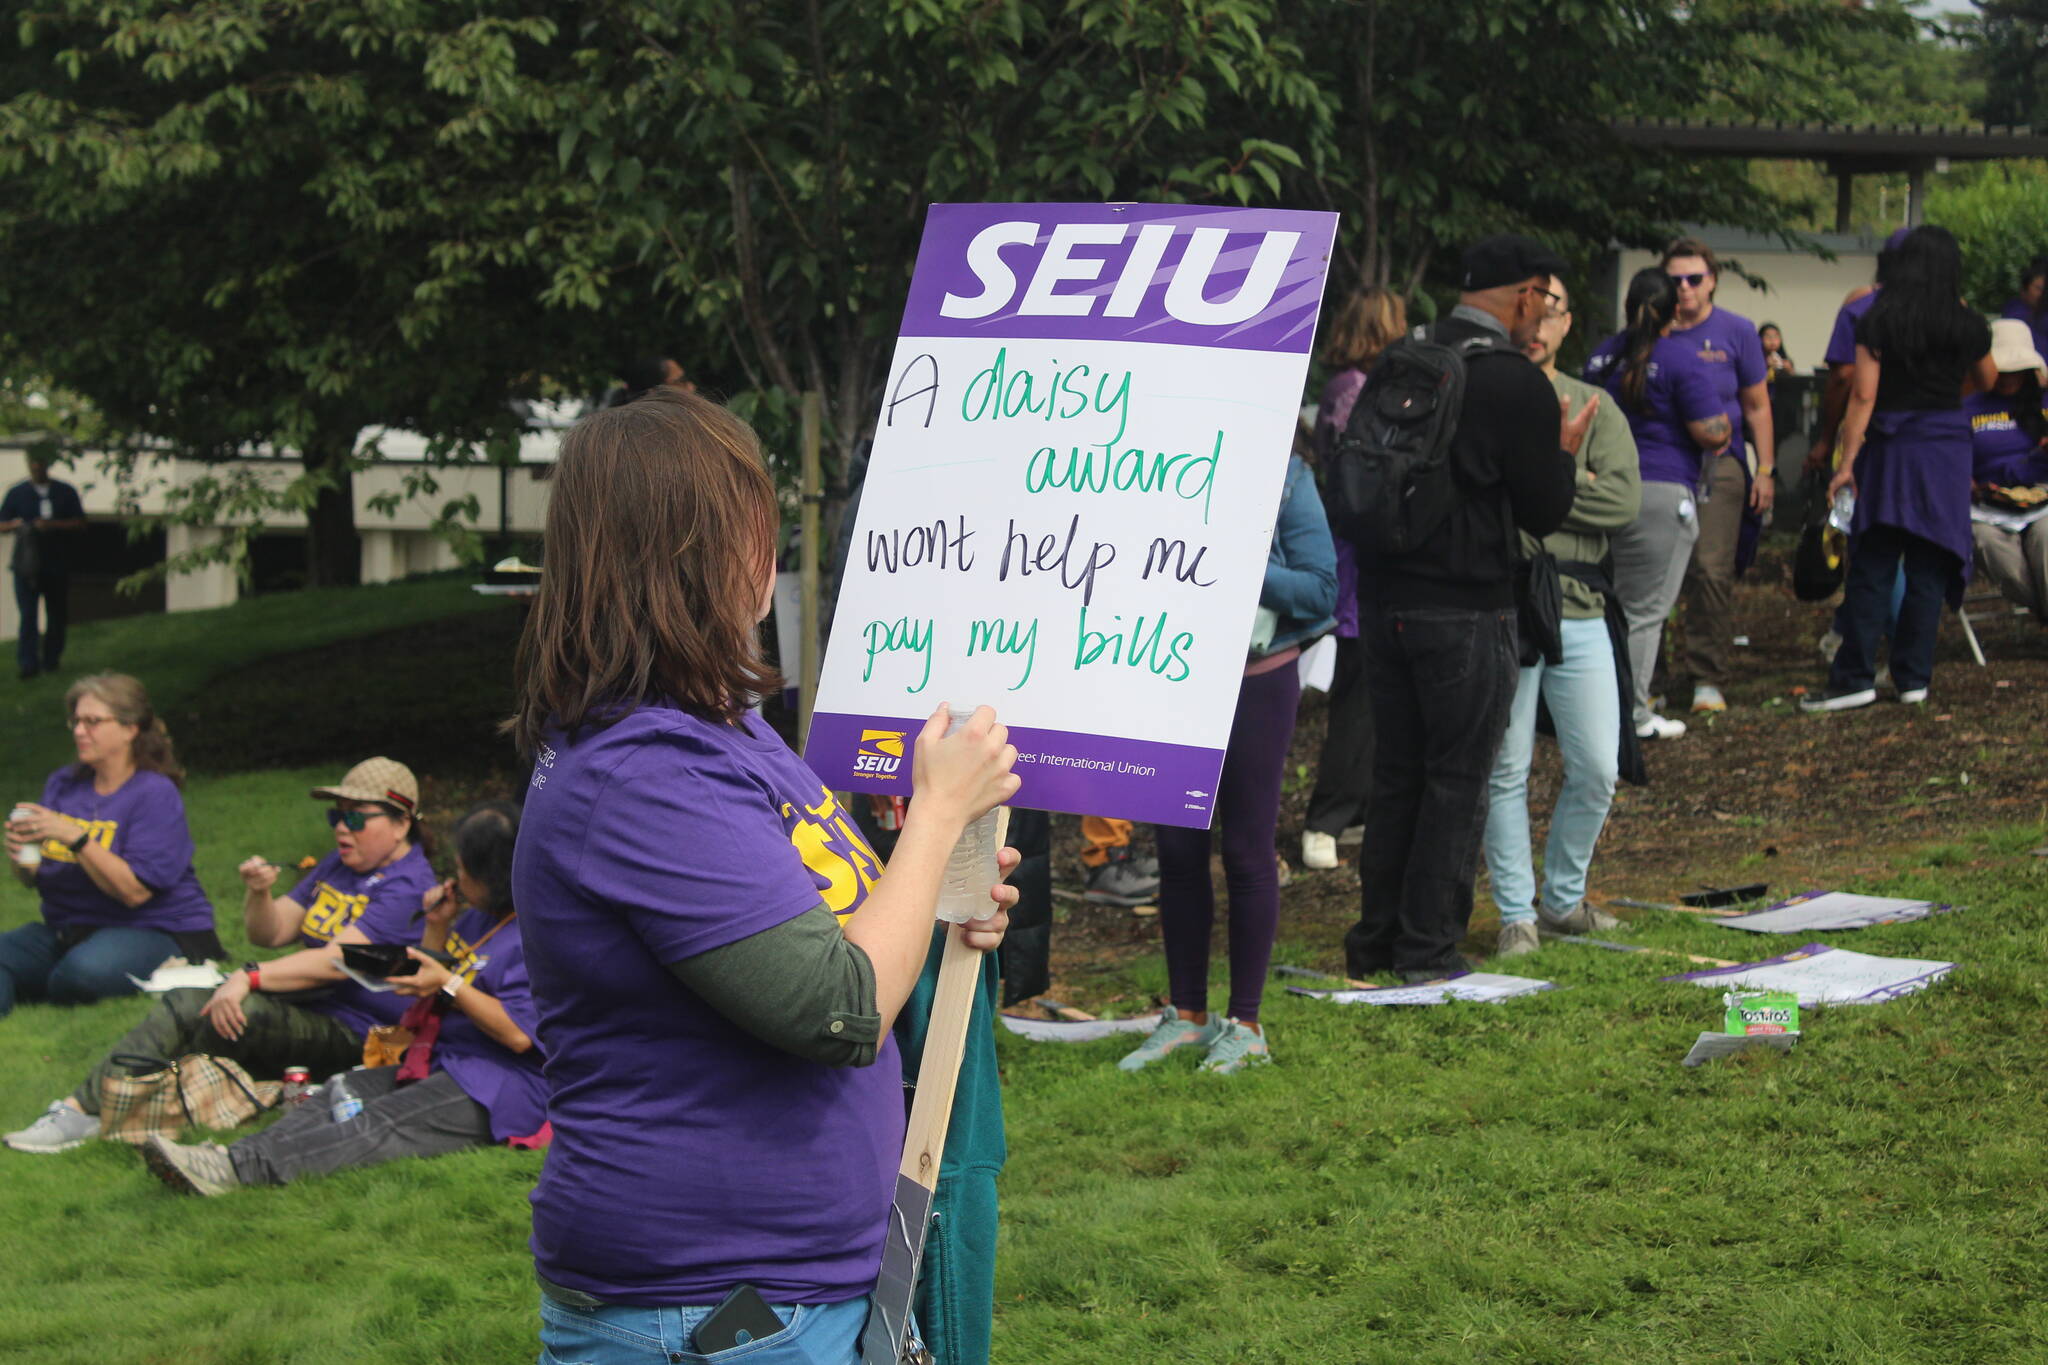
(1707, 697)
(1318, 850)
(1516, 939)
(1660, 727)
(59, 1130)
(1914, 696)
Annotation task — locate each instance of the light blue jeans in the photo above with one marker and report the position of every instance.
(620, 1334)
(1587, 709)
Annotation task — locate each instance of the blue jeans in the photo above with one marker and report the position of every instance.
(1879, 556)
(34, 967)
(42, 650)
(619, 1334)
(1587, 711)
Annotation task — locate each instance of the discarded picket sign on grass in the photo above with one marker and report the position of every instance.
(1075, 1030)
(1816, 912)
(1713, 1046)
(1820, 975)
(1488, 987)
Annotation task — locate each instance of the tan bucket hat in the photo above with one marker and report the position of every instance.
(384, 780)
(2012, 349)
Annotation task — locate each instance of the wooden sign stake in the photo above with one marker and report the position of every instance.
(886, 1339)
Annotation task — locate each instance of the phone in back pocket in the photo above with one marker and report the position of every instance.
(744, 1316)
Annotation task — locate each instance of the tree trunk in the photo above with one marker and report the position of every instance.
(333, 554)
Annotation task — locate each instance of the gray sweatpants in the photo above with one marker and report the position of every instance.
(432, 1117)
(2017, 563)
(1650, 555)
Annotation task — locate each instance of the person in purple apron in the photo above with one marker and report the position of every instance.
(1906, 458)
(2009, 450)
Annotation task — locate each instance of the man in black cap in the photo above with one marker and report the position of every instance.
(1438, 624)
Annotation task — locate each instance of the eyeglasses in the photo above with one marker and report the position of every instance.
(1694, 280)
(89, 722)
(353, 819)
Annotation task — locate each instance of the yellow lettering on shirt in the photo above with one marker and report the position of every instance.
(100, 832)
(467, 963)
(832, 848)
(331, 912)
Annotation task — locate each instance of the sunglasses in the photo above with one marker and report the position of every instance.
(1694, 280)
(354, 820)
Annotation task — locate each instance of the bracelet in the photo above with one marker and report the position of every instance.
(452, 987)
(78, 845)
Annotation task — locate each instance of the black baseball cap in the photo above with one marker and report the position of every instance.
(1507, 258)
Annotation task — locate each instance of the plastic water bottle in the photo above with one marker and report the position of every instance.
(971, 870)
(1845, 510)
(343, 1103)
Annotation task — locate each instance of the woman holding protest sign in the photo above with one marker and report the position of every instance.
(1295, 605)
(716, 954)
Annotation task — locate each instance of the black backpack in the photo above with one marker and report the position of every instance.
(1390, 484)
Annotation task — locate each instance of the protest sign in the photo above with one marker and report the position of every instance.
(1071, 496)
(1820, 975)
(1487, 987)
(1821, 911)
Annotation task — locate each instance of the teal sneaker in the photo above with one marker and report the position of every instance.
(1237, 1047)
(1171, 1032)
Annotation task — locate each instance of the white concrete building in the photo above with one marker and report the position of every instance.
(509, 500)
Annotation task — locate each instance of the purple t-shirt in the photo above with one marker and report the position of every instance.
(1677, 388)
(688, 1155)
(2000, 452)
(1842, 341)
(508, 1084)
(143, 824)
(382, 904)
(1727, 348)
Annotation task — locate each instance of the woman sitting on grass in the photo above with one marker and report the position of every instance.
(2009, 452)
(367, 891)
(108, 851)
(472, 1074)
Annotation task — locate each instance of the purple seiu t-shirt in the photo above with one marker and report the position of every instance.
(1842, 341)
(1727, 348)
(2000, 452)
(1677, 388)
(508, 1084)
(688, 1155)
(143, 824)
(384, 904)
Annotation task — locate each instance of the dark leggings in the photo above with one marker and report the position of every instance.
(1248, 809)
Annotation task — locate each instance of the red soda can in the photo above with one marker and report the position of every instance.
(298, 1083)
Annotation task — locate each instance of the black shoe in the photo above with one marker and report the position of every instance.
(1457, 963)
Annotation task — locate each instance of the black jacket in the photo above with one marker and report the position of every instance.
(1508, 463)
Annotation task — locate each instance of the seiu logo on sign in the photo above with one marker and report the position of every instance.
(1065, 285)
(881, 753)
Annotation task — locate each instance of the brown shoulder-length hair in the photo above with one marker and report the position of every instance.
(128, 702)
(1371, 320)
(661, 523)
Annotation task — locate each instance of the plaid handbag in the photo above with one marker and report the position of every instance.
(170, 1096)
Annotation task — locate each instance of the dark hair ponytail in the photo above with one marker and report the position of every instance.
(1652, 304)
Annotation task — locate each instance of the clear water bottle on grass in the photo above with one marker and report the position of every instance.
(971, 870)
(343, 1103)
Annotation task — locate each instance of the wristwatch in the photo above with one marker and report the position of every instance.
(254, 971)
(78, 845)
(452, 987)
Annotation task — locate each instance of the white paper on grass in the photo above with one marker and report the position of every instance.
(1076, 1030)
(1820, 975)
(1824, 910)
(1480, 986)
(178, 973)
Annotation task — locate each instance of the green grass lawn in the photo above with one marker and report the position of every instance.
(1536, 1181)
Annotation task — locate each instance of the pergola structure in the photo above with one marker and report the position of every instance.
(1873, 149)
